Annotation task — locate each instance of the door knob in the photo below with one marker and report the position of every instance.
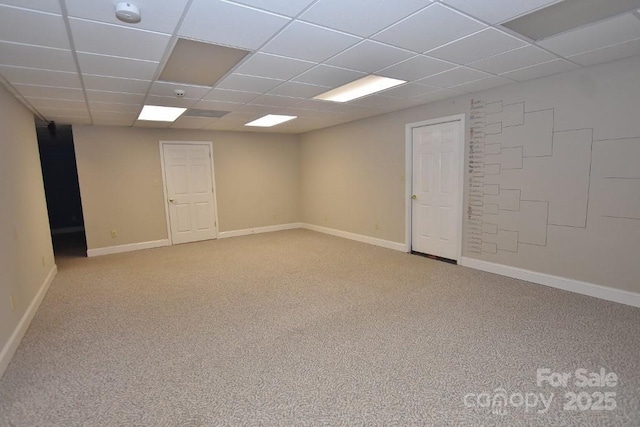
(414, 197)
(171, 200)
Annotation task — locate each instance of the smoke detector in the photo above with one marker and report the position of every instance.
(179, 93)
(128, 12)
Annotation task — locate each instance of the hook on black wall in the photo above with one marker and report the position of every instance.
(52, 128)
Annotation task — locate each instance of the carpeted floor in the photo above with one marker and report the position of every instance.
(300, 328)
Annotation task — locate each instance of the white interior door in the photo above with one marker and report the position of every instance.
(436, 189)
(189, 189)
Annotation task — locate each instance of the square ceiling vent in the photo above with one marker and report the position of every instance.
(210, 114)
(198, 63)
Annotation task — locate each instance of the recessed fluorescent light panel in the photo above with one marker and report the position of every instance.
(359, 88)
(270, 120)
(567, 15)
(157, 113)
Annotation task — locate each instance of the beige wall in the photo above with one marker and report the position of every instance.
(121, 181)
(352, 174)
(26, 255)
(352, 177)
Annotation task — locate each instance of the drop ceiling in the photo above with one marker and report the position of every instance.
(73, 62)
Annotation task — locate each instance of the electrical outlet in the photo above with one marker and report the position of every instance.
(12, 302)
(114, 234)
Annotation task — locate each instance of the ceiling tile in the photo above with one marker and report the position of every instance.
(115, 107)
(384, 102)
(167, 89)
(305, 124)
(108, 39)
(163, 19)
(30, 27)
(39, 5)
(316, 105)
(372, 15)
(283, 7)
(299, 112)
(454, 77)
(170, 101)
(477, 46)
(69, 120)
(328, 106)
(298, 90)
(439, 95)
(248, 83)
(230, 24)
(111, 66)
(186, 122)
(113, 115)
(429, 28)
(115, 97)
(483, 84)
(416, 68)
(216, 105)
(20, 55)
(370, 56)
(541, 70)
(273, 66)
(115, 84)
(409, 90)
(34, 76)
(63, 112)
(256, 110)
(274, 101)
(224, 95)
(235, 116)
(325, 75)
(609, 53)
(33, 91)
(309, 42)
(60, 112)
(513, 60)
(50, 103)
(123, 121)
(494, 11)
(611, 31)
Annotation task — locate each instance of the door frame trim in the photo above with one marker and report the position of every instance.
(409, 174)
(164, 184)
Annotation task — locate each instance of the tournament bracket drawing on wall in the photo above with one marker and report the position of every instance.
(525, 176)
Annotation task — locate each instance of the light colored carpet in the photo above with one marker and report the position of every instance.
(300, 328)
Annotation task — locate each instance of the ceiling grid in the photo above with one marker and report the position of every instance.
(74, 62)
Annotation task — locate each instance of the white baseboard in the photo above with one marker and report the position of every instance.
(257, 230)
(357, 237)
(584, 288)
(11, 346)
(127, 248)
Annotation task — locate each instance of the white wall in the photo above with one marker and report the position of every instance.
(562, 141)
(121, 181)
(26, 254)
